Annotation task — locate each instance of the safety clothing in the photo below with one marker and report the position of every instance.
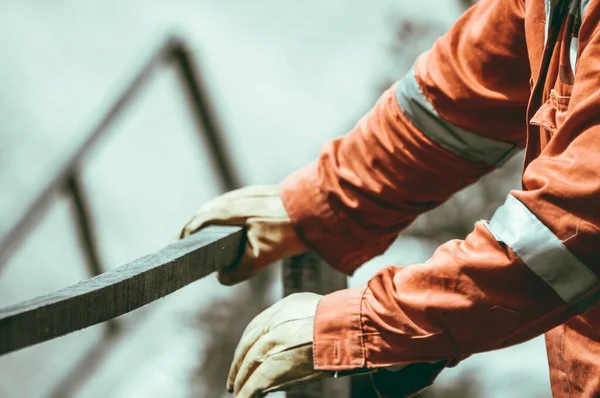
(269, 233)
(275, 351)
(510, 74)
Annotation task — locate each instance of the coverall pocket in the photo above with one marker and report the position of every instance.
(552, 113)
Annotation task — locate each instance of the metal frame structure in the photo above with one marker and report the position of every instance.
(172, 52)
(137, 283)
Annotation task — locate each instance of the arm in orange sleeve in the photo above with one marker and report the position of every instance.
(454, 117)
(533, 266)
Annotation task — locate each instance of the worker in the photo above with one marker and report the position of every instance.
(510, 74)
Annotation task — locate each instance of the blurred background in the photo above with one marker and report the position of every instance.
(281, 77)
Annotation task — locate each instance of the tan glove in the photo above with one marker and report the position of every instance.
(270, 234)
(276, 349)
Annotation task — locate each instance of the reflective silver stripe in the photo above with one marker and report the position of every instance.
(576, 10)
(573, 53)
(517, 227)
(584, 6)
(550, 5)
(461, 142)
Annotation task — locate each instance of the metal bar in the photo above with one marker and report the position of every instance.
(309, 273)
(84, 228)
(119, 291)
(204, 115)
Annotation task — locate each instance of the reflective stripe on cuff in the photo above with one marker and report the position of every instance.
(463, 143)
(514, 225)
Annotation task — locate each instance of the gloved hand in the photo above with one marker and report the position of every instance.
(270, 234)
(276, 349)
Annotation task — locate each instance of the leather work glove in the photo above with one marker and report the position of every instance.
(270, 234)
(276, 349)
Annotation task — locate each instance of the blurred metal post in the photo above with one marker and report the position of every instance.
(309, 273)
(85, 233)
(204, 114)
(84, 228)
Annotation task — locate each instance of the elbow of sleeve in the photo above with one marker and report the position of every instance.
(319, 227)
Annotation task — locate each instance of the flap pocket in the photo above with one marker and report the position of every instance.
(552, 113)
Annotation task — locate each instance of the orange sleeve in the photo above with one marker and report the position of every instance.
(454, 117)
(533, 266)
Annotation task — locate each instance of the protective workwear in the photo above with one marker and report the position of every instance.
(510, 74)
(275, 351)
(269, 233)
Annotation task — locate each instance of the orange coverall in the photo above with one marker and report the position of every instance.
(484, 90)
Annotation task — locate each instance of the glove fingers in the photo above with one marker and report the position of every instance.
(278, 370)
(289, 340)
(218, 211)
(193, 225)
(234, 207)
(285, 331)
(254, 330)
(235, 212)
(245, 366)
(244, 269)
(236, 274)
(266, 243)
(206, 216)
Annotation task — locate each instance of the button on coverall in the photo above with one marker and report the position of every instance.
(461, 111)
